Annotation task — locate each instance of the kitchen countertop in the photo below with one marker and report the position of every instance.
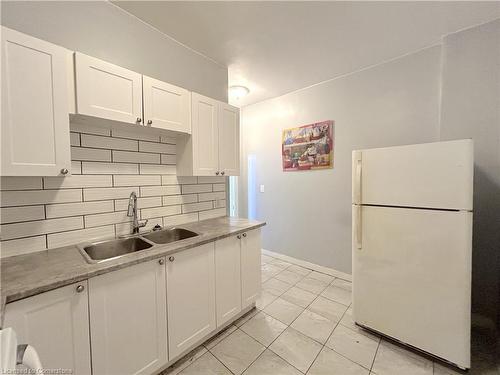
(27, 275)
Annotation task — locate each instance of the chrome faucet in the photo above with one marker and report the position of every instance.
(132, 212)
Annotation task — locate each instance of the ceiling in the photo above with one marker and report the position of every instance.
(277, 47)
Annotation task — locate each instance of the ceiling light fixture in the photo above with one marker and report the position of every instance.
(238, 92)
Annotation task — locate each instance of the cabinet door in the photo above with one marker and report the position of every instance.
(35, 122)
(107, 91)
(229, 140)
(191, 297)
(166, 106)
(56, 324)
(227, 279)
(128, 320)
(205, 140)
(250, 267)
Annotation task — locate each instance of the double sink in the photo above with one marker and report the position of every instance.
(106, 250)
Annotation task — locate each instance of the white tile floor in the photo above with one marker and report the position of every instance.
(302, 325)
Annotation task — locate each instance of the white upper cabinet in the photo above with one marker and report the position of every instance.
(56, 324)
(107, 91)
(191, 297)
(35, 122)
(250, 267)
(227, 278)
(128, 316)
(213, 148)
(229, 140)
(166, 106)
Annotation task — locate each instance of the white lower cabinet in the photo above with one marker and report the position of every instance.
(227, 278)
(56, 324)
(250, 267)
(191, 297)
(128, 320)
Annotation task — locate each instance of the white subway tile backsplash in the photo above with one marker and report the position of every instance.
(201, 206)
(88, 129)
(136, 180)
(122, 204)
(179, 199)
(26, 198)
(74, 139)
(21, 183)
(108, 193)
(166, 139)
(168, 159)
(91, 204)
(150, 191)
(219, 187)
(135, 157)
(109, 168)
(108, 218)
(76, 167)
(33, 228)
(90, 154)
(76, 209)
(211, 214)
(189, 189)
(160, 148)
(139, 134)
(17, 214)
(147, 213)
(78, 181)
(211, 196)
(109, 143)
(158, 169)
(22, 246)
(180, 219)
(82, 235)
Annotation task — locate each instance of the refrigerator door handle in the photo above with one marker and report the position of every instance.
(357, 228)
(356, 181)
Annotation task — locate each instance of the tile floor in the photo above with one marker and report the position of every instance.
(302, 325)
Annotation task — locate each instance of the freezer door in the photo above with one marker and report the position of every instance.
(412, 277)
(430, 175)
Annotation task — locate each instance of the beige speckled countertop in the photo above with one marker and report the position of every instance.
(26, 275)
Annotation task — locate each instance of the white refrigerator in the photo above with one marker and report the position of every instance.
(412, 245)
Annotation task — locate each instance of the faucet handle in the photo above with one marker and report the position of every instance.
(142, 223)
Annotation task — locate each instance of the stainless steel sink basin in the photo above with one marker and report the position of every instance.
(169, 235)
(106, 250)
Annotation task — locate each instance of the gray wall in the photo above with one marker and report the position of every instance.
(309, 213)
(105, 31)
(471, 109)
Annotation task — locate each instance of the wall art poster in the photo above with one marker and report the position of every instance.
(308, 147)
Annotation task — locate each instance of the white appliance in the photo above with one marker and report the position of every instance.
(412, 245)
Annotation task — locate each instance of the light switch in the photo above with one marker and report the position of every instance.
(261, 188)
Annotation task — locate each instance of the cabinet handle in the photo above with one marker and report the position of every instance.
(64, 171)
(217, 173)
(222, 173)
(150, 122)
(171, 259)
(238, 236)
(161, 261)
(244, 234)
(80, 288)
(139, 120)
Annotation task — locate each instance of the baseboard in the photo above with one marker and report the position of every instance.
(312, 266)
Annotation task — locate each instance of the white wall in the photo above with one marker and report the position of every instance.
(471, 109)
(309, 213)
(102, 30)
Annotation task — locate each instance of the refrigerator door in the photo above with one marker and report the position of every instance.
(412, 277)
(429, 175)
